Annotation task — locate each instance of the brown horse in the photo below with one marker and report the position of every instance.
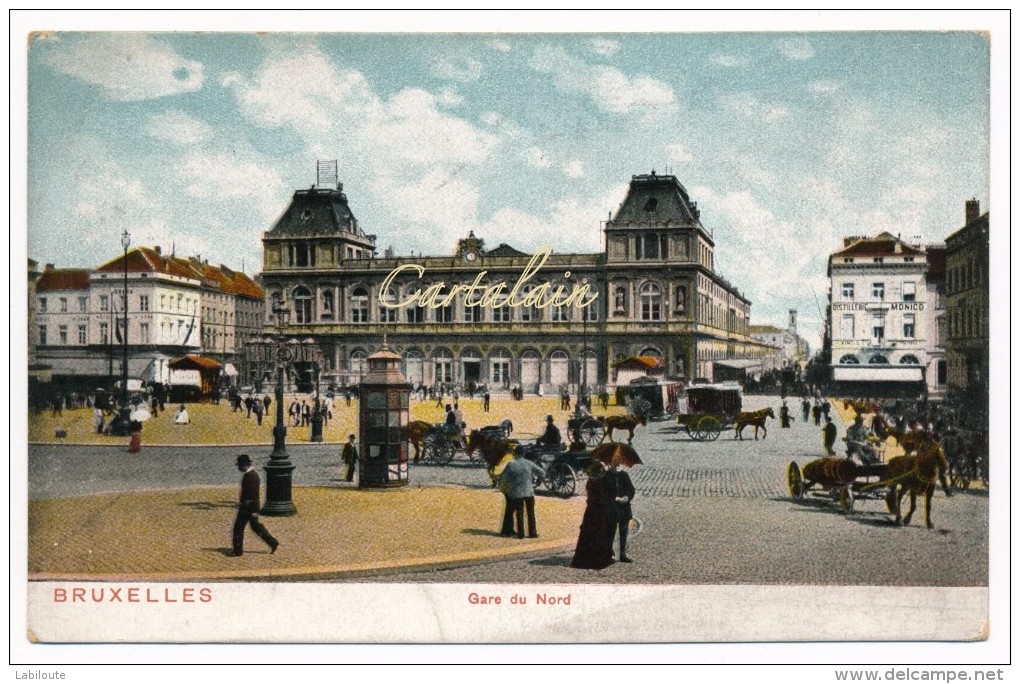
(755, 418)
(914, 475)
(416, 432)
(627, 423)
(494, 451)
(860, 407)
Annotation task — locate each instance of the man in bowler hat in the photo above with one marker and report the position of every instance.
(248, 508)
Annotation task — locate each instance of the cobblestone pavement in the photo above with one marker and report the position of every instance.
(709, 512)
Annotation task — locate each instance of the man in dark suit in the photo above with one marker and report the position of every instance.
(619, 491)
(248, 509)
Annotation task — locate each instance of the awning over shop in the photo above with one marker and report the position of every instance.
(195, 362)
(230, 370)
(92, 367)
(741, 364)
(877, 373)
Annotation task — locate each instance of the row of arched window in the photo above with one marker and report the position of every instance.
(878, 359)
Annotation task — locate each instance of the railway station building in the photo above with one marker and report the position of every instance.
(658, 297)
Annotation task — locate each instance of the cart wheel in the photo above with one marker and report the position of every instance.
(794, 480)
(444, 452)
(561, 480)
(846, 499)
(592, 432)
(690, 430)
(428, 451)
(709, 427)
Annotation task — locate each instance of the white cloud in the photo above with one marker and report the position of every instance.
(127, 66)
(537, 158)
(441, 199)
(679, 153)
(751, 107)
(796, 49)
(573, 169)
(459, 68)
(450, 98)
(608, 88)
(320, 102)
(177, 126)
(605, 47)
(823, 87)
(729, 61)
(752, 171)
(221, 176)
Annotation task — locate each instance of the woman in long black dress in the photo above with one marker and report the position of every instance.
(594, 550)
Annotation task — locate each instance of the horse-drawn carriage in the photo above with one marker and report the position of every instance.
(651, 397)
(967, 454)
(710, 410)
(846, 481)
(563, 468)
(841, 479)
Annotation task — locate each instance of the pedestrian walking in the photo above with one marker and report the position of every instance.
(349, 455)
(257, 408)
(97, 420)
(248, 509)
(135, 443)
(485, 401)
(805, 408)
(784, 416)
(267, 401)
(829, 437)
(816, 412)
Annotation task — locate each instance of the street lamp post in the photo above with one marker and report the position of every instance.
(583, 387)
(279, 469)
(125, 240)
(317, 419)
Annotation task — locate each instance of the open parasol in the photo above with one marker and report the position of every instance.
(141, 415)
(616, 453)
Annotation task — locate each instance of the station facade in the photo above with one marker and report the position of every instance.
(658, 296)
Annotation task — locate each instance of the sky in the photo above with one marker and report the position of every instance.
(786, 140)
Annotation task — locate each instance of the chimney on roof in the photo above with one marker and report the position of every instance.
(159, 250)
(973, 210)
(49, 267)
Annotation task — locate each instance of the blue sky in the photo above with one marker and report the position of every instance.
(786, 140)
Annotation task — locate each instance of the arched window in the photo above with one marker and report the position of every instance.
(848, 360)
(499, 368)
(651, 302)
(387, 314)
(910, 360)
(651, 351)
(358, 363)
(444, 314)
(302, 305)
(501, 314)
(878, 359)
(359, 305)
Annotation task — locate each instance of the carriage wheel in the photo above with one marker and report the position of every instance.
(561, 480)
(443, 452)
(794, 480)
(846, 499)
(592, 432)
(428, 451)
(710, 427)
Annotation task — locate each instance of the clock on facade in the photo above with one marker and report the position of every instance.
(470, 255)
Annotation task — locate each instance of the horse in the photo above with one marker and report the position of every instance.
(495, 451)
(627, 423)
(417, 430)
(860, 407)
(914, 475)
(505, 428)
(755, 418)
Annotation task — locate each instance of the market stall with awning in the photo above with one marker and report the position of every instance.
(208, 371)
(728, 370)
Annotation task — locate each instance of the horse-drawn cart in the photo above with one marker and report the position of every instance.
(442, 443)
(710, 410)
(563, 469)
(840, 479)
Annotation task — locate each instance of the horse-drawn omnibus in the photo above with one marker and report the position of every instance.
(709, 410)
